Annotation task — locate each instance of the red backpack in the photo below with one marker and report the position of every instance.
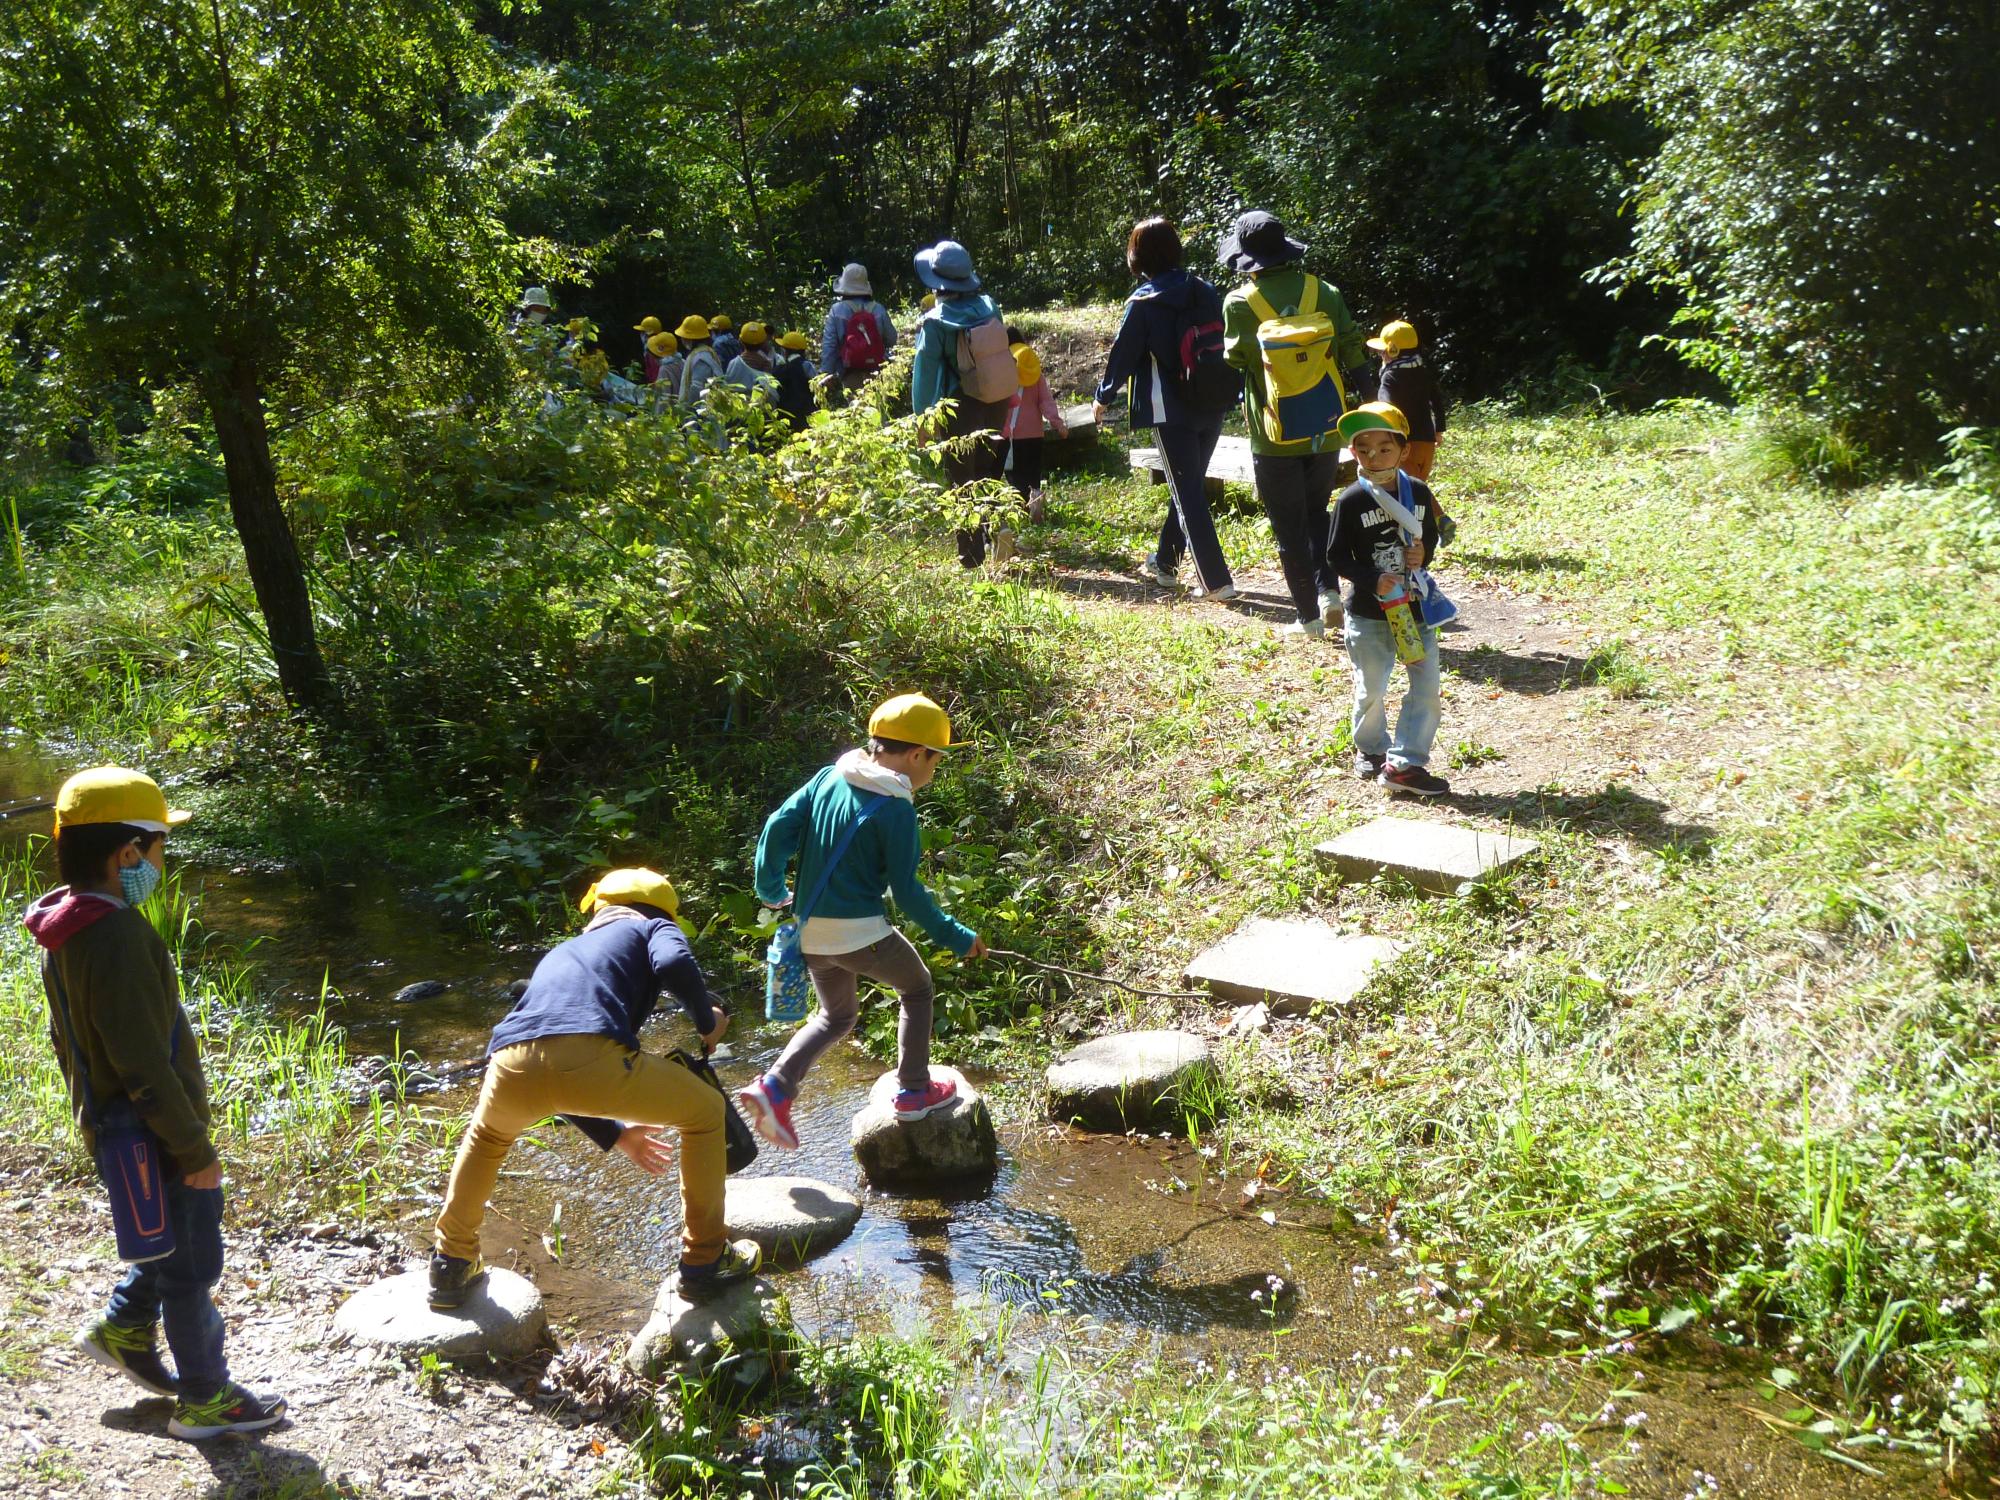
(861, 346)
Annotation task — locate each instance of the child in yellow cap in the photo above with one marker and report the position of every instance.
(570, 1047)
(727, 343)
(132, 1065)
(853, 830)
(1409, 384)
(1384, 531)
(1029, 416)
(664, 350)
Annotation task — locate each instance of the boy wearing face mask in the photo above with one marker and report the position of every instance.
(1372, 549)
(126, 1050)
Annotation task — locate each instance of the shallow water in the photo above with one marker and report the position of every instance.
(1143, 1251)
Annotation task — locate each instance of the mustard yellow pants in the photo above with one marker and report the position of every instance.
(588, 1075)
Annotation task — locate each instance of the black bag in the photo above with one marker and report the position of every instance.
(739, 1140)
(795, 393)
(1208, 384)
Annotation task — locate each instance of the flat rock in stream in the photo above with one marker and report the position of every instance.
(423, 989)
(743, 1321)
(1435, 857)
(503, 1317)
(953, 1144)
(792, 1218)
(1290, 965)
(1137, 1080)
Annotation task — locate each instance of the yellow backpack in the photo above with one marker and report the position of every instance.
(1303, 396)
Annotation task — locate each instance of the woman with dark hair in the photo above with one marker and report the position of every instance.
(1171, 321)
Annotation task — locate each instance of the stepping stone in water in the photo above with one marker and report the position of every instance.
(1138, 1080)
(953, 1144)
(696, 1336)
(503, 1317)
(793, 1218)
(1435, 857)
(1290, 965)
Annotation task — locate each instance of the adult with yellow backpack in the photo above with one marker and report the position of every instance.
(1291, 335)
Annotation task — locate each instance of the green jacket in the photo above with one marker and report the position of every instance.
(125, 1010)
(1283, 289)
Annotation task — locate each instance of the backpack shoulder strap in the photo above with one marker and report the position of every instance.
(833, 859)
(1259, 304)
(1309, 298)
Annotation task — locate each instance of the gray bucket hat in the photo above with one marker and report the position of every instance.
(1258, 242)
(947, 267)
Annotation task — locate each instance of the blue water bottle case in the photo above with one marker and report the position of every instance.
(787, 986)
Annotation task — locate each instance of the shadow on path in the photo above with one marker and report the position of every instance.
(1617, 809)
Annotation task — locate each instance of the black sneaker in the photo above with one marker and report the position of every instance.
(1415, 781)
(452, 1280)
(1369, 767)
(231, 1409)
(132, 1352)
(738, 1262)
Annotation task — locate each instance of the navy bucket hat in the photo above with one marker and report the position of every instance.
(1258, 242)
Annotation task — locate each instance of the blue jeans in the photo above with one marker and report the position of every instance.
(174, 1291)
(1373, 652)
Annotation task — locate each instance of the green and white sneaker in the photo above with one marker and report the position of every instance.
(231, 1409)
(453, 1280)
(738, 1263)
(132, 1352)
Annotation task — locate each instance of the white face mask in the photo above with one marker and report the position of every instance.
(537, 316)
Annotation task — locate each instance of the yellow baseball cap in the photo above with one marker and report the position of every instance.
(647, 324)
(754, 333)
(693, 326)
(1374, 416)
(661, 343)
(635, 884)
(793, 340)
(720, 322)
(112, 794)
(1394, 336)
(914, 719)
(1027, 364)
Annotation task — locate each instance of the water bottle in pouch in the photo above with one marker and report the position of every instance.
(787, 986)
(1403, 627)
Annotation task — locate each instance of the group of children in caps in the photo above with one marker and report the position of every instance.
(569, 1046)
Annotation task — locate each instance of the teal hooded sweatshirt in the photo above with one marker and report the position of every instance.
(881, 859)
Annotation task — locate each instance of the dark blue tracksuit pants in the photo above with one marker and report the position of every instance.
(1185, 452)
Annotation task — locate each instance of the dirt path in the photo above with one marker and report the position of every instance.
(360, 1425)
(1529, 735)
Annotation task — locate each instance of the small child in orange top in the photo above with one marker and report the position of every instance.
(1032, 407)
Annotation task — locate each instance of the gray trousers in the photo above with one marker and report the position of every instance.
(836, 980)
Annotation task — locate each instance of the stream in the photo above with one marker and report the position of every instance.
(1109, 1246)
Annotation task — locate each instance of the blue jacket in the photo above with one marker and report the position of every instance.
(882, 857)
(1146, 349)
(605, 981)
(934, 374)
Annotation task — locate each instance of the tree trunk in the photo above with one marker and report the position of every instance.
(236, 406)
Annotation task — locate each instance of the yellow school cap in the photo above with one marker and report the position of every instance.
(693, 326)
(112, 794)
(753, 334)
(661, 343)
(647, 324)
(1394, 336)
(1027, 364)
(1375, 416)
(914, 719)
(793, 340)
(634, 885)
(720, 323)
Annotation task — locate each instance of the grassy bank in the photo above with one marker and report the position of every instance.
(1719, 1059)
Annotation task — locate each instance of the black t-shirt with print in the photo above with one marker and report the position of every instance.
(1367, 542)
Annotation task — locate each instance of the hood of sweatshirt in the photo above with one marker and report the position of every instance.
(1173, 288)
(861, 773)
(964, 312)
(62, 913)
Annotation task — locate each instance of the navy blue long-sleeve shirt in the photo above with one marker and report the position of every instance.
(605, 982)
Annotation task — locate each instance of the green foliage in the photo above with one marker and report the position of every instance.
(1822, 200)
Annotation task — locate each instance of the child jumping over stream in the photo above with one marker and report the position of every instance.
(133, 1068)
(853, 828)
(570, 1046)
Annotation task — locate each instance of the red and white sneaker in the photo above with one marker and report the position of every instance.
(770, 1116)
(915, 1104)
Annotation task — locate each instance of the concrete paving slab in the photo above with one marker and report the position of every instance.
(1436, 857)
(1290, 965)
